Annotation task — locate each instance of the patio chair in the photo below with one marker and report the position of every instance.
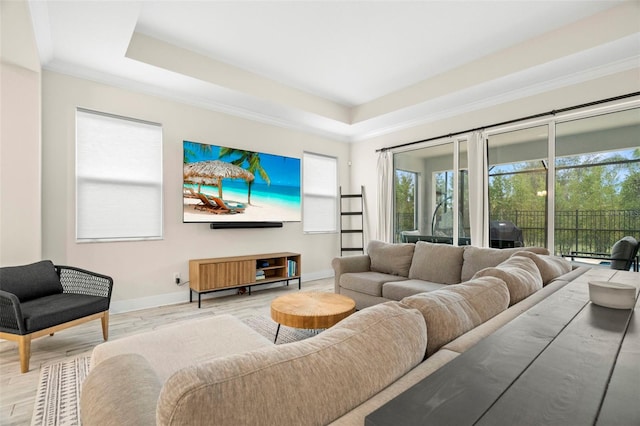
(43, 298)
(623, 256)
(189, 193)
(233, 207)
(207, 205)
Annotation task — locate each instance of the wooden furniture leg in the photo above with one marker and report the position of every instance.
(24, 349)
(105, 325)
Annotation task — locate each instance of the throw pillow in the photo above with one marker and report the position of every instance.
(550, 267)
(477, 258)
(390, 258)
(437, 263)
(31, 281)
(454, 310)
(519, 273)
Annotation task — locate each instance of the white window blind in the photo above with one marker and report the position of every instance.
(320, 193)
(118, 178)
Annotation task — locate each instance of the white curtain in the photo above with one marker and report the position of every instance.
(478, 208)
(385, 192)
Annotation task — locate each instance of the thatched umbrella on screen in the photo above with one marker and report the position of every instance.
(212, 172)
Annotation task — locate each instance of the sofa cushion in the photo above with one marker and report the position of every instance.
(390, 258)
(31, 281)
(312, 381)
(456, 309)
(477, 258)
(438, 263)
(519, 273)
(550, 267)
(112, 397)
(367, 282)
(206, 339)
(398, 290)
(623, 249)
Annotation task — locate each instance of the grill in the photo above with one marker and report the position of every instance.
(505, 234)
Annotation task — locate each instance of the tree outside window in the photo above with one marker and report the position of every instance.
(406, 184)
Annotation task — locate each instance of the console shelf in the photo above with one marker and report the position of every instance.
(223, 273)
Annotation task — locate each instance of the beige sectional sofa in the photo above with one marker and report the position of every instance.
(219, 371)
(395, 271)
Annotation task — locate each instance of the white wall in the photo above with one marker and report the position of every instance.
(143, 271)
(365, 157)
(20, 213)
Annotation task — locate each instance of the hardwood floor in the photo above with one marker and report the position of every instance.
(18, 391)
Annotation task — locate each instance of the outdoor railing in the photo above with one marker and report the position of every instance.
(575, 230)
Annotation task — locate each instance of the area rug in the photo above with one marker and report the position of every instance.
(58, 396)
(267, 327)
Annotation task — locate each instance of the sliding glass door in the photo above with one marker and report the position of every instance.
(569, 183)
(597, 181)
(518, 164)
(431, 194)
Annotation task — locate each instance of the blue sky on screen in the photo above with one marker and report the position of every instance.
(281, 170)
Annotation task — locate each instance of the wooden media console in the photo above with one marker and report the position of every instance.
(223, 273)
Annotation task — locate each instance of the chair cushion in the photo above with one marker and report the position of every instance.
(477, 258)
(550, 267)
(456, 309)
(57, 309)
(519, 273)
(390, 258)
(622, 250)
(31, 281)
(313, 381)
(437, 263)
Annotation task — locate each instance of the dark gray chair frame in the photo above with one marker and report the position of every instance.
(629, 263)
(73, 280)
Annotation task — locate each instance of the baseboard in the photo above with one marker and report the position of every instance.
(182, 296)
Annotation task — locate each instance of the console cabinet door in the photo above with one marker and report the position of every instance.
(213, 276)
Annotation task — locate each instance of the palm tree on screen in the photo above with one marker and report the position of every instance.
(252, 159)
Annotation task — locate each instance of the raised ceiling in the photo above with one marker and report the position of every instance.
(344, 69)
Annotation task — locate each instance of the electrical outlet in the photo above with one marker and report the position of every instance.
(176, 277)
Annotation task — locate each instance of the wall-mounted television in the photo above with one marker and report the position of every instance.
(230, 187)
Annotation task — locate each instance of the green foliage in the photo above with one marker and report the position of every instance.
(193, 151)
(592, 193)
(405, 192)
(253, 164)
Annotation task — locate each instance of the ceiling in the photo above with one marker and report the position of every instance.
(348, 70)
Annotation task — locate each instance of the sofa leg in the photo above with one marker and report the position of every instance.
(105, 326)
(24, 350)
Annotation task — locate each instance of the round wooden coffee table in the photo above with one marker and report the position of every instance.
(310, 310)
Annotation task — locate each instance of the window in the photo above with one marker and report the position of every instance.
(118, 178)
(597, 185)
(320, 193)
(406, 186)
(518, 164)
(425, 193)
(569, 182)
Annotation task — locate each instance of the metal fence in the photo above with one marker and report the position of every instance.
(575, 230)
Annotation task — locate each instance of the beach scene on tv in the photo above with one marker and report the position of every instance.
(227, 184)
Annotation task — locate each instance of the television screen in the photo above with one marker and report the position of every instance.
(228, 185)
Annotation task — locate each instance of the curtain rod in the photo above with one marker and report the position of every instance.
(515, 120)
